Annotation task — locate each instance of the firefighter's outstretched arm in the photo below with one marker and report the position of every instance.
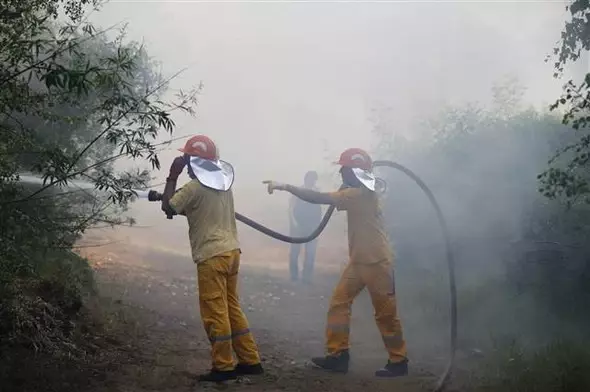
(304, 194)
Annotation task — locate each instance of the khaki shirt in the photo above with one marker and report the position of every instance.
(211, 219)
(367, 239)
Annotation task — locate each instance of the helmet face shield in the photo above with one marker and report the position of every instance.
(214, 174)
(366, 178)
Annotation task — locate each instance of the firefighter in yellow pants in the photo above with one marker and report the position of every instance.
(370, 266)
(207, 202)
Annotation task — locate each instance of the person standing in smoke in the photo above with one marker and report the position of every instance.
(208, 204)
(370, 265)
(304, 218)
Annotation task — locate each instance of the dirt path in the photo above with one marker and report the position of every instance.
(156, 292)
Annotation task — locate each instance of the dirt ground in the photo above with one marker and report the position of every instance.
(154, 292)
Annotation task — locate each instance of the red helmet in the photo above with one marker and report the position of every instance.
(200, 146)
(356, 158)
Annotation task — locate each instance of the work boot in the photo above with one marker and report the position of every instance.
(218, 376)
(393, 369)
(337, 363)
(249, 370)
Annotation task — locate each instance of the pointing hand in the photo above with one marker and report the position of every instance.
(273, 185)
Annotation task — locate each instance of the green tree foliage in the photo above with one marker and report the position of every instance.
(568, 175)
(72, 102)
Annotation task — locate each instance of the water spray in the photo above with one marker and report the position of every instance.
(85, 185)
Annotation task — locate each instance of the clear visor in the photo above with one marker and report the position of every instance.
(366, 178)
(217, 174)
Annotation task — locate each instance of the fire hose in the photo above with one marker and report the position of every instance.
(444, 377)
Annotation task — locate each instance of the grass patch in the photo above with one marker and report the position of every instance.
(561, 366)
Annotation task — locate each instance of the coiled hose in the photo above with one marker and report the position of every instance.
(286, 238)
(443, 379)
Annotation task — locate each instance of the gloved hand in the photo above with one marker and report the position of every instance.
(273, 185)
(176, 168)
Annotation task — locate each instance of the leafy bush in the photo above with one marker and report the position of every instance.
(38, 309)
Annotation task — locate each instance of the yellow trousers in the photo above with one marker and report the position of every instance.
(378, 278)
(223, 319)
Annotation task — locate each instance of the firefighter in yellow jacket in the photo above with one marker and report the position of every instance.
(207, 202)
(370, 265)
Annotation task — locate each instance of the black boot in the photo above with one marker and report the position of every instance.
(337, 363)
(218, 376)
(249, 370)
(393, 369)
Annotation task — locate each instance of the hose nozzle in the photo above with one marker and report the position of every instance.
(154, 195)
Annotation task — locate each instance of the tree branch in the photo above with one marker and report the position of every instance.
(57, 52)
(121, 116)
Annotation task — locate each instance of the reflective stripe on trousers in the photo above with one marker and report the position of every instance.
(223, 319)
(378, 279)
(229, 337)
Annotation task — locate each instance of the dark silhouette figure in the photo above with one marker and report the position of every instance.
(304, 217)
